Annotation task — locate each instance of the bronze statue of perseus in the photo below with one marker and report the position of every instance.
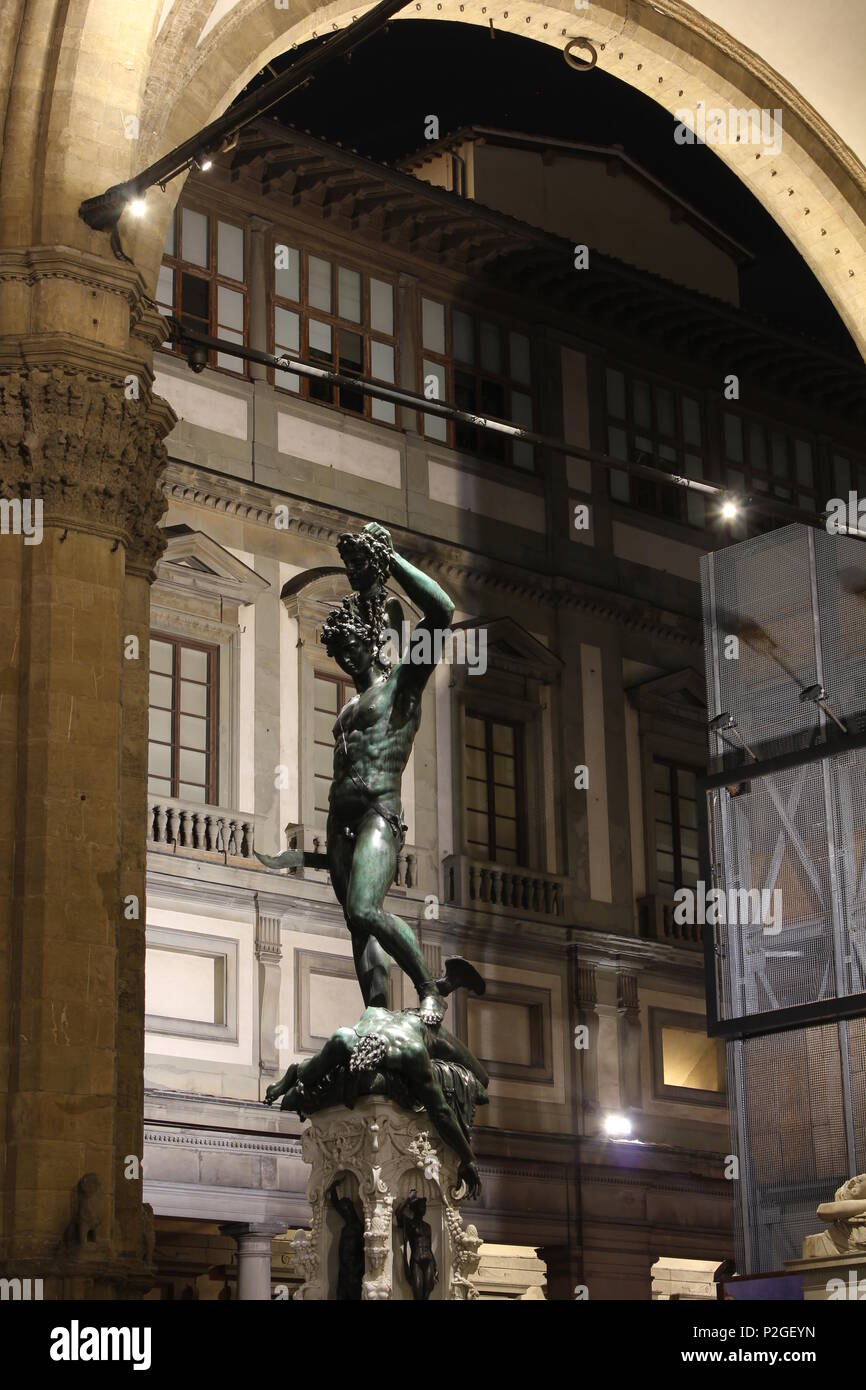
(373, 736)
(408, 1056)
(373, 739)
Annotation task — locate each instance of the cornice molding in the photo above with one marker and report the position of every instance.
(28, 265)
(311, 521)
(179, 1136)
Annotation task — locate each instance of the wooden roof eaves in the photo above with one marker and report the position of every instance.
(722, 319)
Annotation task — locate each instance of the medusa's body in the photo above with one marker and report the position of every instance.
(404, 1046)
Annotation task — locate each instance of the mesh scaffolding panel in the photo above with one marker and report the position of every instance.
(795, 600)
(799, 1131)
(790, 858)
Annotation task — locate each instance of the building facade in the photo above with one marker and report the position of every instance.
(550, 797)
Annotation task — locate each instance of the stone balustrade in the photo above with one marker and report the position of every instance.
(182, 827)
(509, 890)
(655, 915)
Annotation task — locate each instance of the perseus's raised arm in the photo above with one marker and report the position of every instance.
(437, 607)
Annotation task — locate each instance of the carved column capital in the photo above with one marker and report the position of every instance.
(90, 445)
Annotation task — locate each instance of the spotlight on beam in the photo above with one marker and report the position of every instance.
(725, 724)
(730, 509)
(816, 695)
(137, 207)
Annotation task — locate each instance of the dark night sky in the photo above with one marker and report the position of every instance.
(377, 101)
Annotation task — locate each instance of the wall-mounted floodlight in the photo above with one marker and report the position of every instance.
(725, 724)
(103, 211)
(816, 695)
(617, 1126)
(730, 509)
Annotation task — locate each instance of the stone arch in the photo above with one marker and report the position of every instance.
(815, 188)
(174, 65)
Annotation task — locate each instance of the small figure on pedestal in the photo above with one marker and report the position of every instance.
(350, 1254)
(419, 1261)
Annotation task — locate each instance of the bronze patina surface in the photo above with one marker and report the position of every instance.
(408, 1056)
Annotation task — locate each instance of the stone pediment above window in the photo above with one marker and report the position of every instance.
(196, 564)
(512, 649)
(678, 696)
(311, 595)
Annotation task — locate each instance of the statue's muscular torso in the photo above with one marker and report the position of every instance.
(373, 735)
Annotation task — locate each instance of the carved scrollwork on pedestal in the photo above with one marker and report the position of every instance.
(465, 1255)
(388, 1152)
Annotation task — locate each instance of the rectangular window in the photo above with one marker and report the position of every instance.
(675, 815)
(649, 422)
(203, 279)
(330, 694)
(687, 1065)
(849, 475)
(493, 802)
(483, 368)
(692, 1060)
(182, 744)
(338, 317)
(760, 458)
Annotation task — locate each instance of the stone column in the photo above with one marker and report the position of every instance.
(254, 1256)
(261, 280)
(83, 438)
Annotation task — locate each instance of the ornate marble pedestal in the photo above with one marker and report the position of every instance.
(376, 1154)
